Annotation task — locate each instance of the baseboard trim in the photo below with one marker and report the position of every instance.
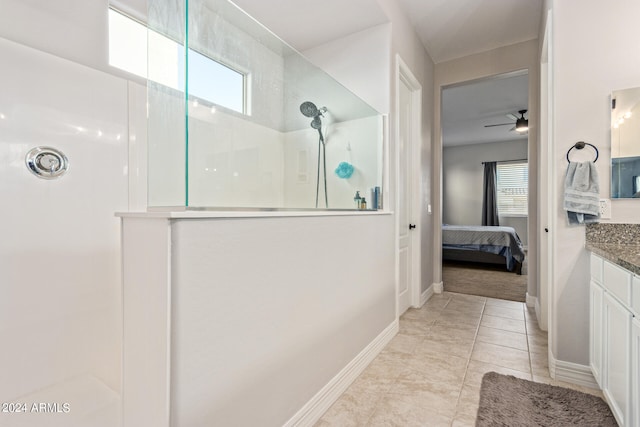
(426, 295)
(438, 288)
(571, 372)
(531, 301)
(311, 412)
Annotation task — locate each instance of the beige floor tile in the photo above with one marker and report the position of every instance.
(420, 314)
(417, 382)
(411, 411)
(509, 313)
(588, 390)
(468, 298)
(402, 343)
(504, 324)
(465, 307)
(476, 370)
(469, 399)
(351, 410)
(536, 340)
(431, 372)
(505, 338)
(457, 332)
(453, 346)
(538, 349)
(436, 303)
(415, 327)
(502, 356)
(381, 373)
(504, 303)
(539, 364)
(464, 420)
(453, 318)
(441, 366)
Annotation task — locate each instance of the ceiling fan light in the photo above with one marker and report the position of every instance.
(522, 125)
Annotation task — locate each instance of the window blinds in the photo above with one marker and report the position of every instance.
(513, 183)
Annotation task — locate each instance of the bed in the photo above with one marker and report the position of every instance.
(474, 243)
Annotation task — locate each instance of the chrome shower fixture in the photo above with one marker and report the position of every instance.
(309, 109)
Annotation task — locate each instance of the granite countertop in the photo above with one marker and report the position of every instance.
(618, 243)
(625, 255)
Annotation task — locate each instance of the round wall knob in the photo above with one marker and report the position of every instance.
(46, 162)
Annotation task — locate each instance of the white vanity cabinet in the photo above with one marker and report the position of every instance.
(595, 330)
(617, 355)
(613, 353)
(635, 371)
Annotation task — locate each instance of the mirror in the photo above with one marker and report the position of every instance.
(625, 144)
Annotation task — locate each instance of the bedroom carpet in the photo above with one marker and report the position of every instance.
(509, 401)
(485, 280)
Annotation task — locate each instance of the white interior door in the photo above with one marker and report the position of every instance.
(408, 103)
(545, 189)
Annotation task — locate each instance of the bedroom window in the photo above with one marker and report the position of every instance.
(512, 188)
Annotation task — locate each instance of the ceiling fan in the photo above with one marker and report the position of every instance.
(521, 124)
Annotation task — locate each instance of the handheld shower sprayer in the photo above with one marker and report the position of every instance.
(309, 109)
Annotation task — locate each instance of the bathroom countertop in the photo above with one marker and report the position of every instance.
(625, 256)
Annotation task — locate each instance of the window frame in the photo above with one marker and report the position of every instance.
(244, 75)
(512, 214)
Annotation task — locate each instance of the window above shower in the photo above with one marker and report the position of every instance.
(211, 82)
(295, 138)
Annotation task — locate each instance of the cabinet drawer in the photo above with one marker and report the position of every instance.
(635, 296)
(596, 268)
(617, 281)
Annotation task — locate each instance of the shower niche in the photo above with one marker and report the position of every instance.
(238, 119)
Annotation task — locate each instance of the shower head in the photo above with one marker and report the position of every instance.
(316, 123)
(309, 109)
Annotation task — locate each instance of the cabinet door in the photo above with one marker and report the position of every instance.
(595, 331)
(635, 372)
(617, 354)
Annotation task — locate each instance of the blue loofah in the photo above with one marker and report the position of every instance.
(344, 170)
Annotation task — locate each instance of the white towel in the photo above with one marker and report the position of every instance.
(582, 193)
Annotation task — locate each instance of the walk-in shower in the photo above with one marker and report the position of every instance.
(261, 153)
(309, 109)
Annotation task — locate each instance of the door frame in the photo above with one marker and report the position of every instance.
(404, 75)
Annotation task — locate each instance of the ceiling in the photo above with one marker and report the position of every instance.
(466, 109)
(448, 29)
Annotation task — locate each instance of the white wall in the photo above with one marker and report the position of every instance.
(59, 253)
(593, 57)
(506, 59)
(266, 311)
(462, 182)
(350, 142)
(60, 259)
(406, 44)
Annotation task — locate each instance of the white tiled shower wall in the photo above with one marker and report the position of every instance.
(59, 252)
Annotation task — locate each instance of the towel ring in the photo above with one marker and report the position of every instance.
(579, 146)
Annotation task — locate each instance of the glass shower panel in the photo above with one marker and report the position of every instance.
(246, 141)
(166, 98)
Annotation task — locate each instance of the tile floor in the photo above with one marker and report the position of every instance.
(430, 373)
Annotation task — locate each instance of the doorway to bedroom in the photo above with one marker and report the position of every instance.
(485, 186)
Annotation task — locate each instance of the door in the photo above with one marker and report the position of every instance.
(635, 372)
(616, 370)
(546, 208)
(408, 122)
(595, 331)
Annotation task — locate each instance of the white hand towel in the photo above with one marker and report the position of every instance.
(582, 193)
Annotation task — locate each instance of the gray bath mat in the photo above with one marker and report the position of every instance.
(509, 401)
